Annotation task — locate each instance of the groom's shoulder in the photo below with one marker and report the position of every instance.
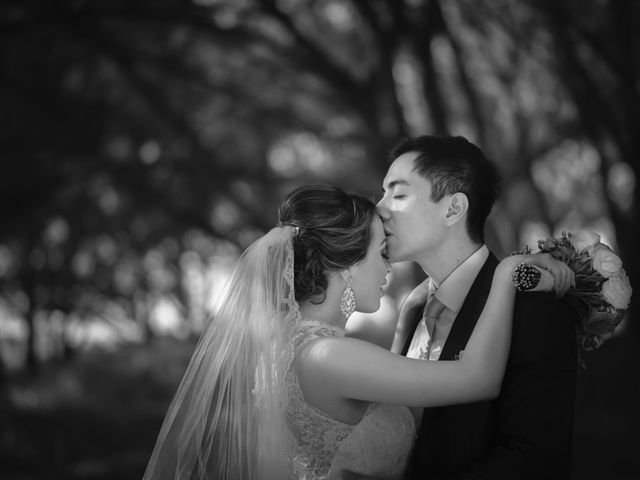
(537, 303)
(541, 315)
(543, 333)
(484, 276)
(544, 307)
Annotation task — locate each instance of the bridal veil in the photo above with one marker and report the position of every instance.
(227, 420)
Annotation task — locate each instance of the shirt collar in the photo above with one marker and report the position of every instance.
(454, 289)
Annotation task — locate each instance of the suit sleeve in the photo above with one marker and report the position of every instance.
(536, 403)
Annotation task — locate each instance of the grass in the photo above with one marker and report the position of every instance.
(95, 418)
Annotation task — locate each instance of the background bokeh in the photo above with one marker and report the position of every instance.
(145, 143)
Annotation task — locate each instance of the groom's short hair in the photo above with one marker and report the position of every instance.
(454, 164)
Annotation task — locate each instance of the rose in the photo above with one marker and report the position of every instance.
(605, 261)
(617, 290)
(600, 323)
(548, 244)
(584, 240)
(592, 342)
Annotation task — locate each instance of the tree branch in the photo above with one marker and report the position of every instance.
(422, 34)
(467, 85)
(318, 60)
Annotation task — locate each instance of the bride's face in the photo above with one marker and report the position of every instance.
(370, 274)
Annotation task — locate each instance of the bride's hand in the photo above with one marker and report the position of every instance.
(562, 276)
(417, 297)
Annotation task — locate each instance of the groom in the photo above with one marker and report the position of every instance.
(438, 193)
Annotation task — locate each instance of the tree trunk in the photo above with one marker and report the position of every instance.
(431, 23)
(142, 315)
(32, 363)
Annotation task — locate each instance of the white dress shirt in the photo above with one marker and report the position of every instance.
(427, 343)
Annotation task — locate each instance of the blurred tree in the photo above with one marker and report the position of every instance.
(597, 61)
(145, 142)
(129, 124)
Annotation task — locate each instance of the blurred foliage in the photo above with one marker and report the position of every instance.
(92, 419)
(144, 138)
(145, 143)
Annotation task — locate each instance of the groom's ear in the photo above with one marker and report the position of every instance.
(457, 208)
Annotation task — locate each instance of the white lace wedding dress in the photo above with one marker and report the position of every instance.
(377, 446)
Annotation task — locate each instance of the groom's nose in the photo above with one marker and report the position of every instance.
(382, 210)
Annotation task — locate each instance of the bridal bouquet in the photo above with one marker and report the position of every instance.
(602, 291)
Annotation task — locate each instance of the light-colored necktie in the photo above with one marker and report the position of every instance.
(432, 312)
(423, 336)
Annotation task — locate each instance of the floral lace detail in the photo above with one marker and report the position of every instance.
(293, 317)
(317, 435)
(379, 446)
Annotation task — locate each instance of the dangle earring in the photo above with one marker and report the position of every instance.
(348, 301)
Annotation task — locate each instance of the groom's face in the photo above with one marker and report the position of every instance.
(412, 222)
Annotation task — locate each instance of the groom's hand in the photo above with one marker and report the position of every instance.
(414, 302)
(418, 296)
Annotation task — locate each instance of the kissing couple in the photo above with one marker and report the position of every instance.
(275, 390)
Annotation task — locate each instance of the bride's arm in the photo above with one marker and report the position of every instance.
(354, 369)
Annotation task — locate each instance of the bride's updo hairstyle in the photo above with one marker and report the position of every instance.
(334, 234)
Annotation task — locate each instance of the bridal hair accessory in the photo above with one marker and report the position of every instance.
(294, 227)
(602, 292)
(348, 300)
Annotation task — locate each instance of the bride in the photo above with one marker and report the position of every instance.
(274, 389)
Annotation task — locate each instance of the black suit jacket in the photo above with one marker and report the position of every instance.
(525, 433)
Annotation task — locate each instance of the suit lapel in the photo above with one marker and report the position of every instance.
(470, 311)
(416, 320)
